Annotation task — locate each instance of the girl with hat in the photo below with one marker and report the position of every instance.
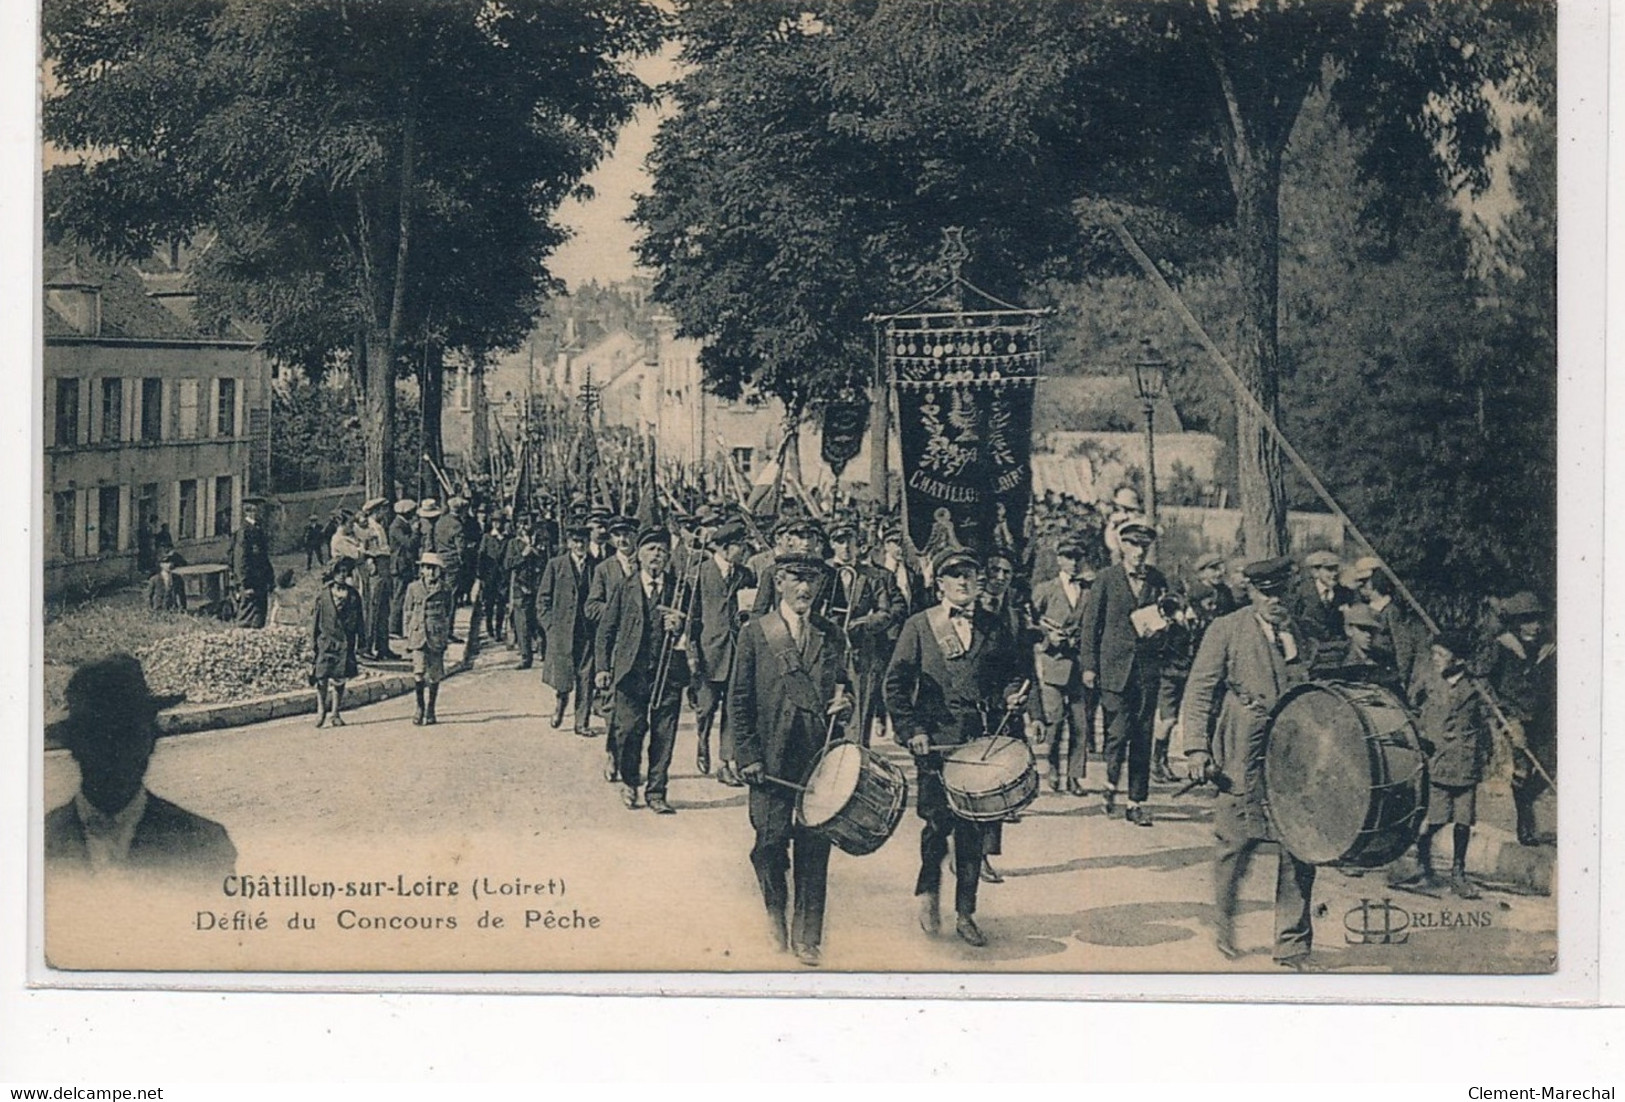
(335, 631)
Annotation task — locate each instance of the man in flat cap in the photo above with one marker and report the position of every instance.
(1520, 665)
(113, 823)
(1121, 657)
(713, 634)
(955, 666)
(639, 627)
(1321, 598)
(1068, 707)
(377, 579)
(404, 549)
(869, 617)
(1246, 662)
(789, 677)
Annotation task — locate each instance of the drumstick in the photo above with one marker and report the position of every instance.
(1008, 712)
(787, 784)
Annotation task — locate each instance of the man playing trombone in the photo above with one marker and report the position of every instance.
(638, 636)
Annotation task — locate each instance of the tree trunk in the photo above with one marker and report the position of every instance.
(378, 413)
(431, 402)
(479, 438)
(1258, 459)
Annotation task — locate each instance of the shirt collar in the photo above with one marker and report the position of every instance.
(113, 832)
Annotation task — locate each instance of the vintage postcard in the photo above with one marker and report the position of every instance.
(574, 489)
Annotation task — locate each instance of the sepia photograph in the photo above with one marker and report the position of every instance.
(850, 487)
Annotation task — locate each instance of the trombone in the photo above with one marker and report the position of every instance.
(674, 640)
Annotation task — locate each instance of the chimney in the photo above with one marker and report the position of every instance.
(76, 299)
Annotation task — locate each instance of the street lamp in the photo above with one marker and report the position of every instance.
(1150, 383)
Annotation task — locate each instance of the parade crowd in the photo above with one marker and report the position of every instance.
(821, 625)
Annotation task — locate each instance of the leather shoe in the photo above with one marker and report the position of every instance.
(1459, 884)
(1227, 948)
(931, 914)
(1138, 815)
(702, 760)
(629, 797)
(807, 955)
(525, 664)
(1074, 787)
(557, 719)
(586, 732)
(612, 772)
(990, 874)
(388, 656)
(969, 932)
(1055, 782)
(779, 930)
(1110, 796)
(728, 774)
(659, 806)
(1299, 963)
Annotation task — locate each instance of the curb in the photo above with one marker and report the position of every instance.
(1494, 855)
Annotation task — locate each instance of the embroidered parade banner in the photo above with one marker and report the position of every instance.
(965, 382)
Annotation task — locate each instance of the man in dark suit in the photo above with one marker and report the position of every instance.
(607, 573)
(1321, 598)
(955, 666)
(1120, 655)
(561, 610)
(1246, 662)
(113, 823)
(908, 580)
(639, 622)
(871, 616)
(404, 549)
(1068, 707)
(788, 678)
(713, 630)
(519, 565)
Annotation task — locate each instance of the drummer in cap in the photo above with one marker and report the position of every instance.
(953, 675)
(1246, 662)
(789, 678)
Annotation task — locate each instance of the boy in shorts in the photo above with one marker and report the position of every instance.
(427, 620)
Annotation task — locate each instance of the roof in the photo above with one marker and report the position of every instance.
(128, 310)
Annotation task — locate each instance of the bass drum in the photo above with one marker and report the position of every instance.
(1345, 777)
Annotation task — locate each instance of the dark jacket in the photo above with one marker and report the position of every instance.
(404, 548)
(628, 635)
(561, 611)
(714, 625)
(1320, 620)
(251, 558)
(1454, 721)
(169, 841)
(951, 696)
(335, 629)
(1109, 644)
(779, 693)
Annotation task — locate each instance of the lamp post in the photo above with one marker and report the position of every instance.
(1150, 383)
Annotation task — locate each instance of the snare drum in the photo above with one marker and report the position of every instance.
(1345, 777)
(988, 779)
(855, 798)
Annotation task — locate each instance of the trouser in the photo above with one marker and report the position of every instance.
(1294, 881)
(520, 615)
(941, 824)
(495, 604)
(782, 847)
(634, 727)
(1129, 717)
(251, 607)
(397, 604)
(711, 706)
(375, 601)
(866, 696)
(1069, 712)
(1527, 785)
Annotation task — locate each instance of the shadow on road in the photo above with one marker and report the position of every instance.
(1165, 860)
(1128, 925)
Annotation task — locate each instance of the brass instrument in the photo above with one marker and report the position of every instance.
(675, 639)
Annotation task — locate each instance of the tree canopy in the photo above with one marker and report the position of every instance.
(370, 173)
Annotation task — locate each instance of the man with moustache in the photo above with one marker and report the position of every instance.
(1246, 662)
(634, 628)
(955, 666)
(789, 677)
(1068, 707)
(607, 573)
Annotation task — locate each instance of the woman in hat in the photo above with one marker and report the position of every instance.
(335, 632)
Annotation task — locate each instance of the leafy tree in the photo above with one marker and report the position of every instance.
(815, 144)
(375, 173)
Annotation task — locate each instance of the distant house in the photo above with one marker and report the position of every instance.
(148, 420)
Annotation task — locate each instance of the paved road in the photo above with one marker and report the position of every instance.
(492, 798)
